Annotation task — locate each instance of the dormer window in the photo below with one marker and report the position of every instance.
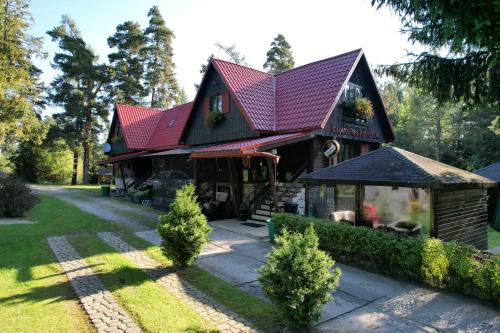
(216, 103)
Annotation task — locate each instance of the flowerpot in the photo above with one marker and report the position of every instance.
(105, 191)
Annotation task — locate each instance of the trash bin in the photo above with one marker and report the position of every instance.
(291, 208)
(272, 230)
(105, 191)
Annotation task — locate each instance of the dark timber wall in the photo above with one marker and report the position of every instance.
(232, 128)
(462, 216)
(377, 125)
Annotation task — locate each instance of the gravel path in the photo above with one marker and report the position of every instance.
(103, 310)
(220, 316)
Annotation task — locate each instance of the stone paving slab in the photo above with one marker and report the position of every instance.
(221, 317)
(15, 221)
(101, 307)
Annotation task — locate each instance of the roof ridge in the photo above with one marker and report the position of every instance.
(321, 60)
(240, 65)
(418, 167)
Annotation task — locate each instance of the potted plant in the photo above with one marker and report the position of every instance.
(214, 118)
(360, 107)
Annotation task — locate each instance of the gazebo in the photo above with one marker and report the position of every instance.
(391, 188)
(492, 172)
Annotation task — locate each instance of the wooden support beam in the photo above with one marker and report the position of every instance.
(270, 171)
(233, 177)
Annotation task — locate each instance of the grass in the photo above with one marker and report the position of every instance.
(493, 237)
(261, 314)
(152, 306)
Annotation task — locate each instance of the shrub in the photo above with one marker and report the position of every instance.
(297, 277)
(454, 266)
(184, 229)
(15, 197)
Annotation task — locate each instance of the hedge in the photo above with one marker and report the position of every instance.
(455, 266)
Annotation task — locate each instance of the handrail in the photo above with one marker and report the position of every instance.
(293, 180)
(257, 196)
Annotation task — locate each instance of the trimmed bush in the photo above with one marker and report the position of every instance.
(184, 229)
(454, 266)
(297, 277)
(15, 197)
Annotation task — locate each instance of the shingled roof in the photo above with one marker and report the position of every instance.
(491, 171)
(299, 99)
(391, 166)
(151, 129)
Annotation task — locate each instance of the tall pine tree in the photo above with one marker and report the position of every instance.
(79, 87)
(279, 56)
(20, 88)
(160, 76)
(128, 64)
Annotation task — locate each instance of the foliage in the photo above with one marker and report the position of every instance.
(20, 88)
(453, 266)
(184, 229)
(214, 118)
(15, 197)
(160, 76)
(79, 88)
(463, 63)
(279, 57)
(297, 277)
(128, 64)
(49, 162)
(453, 133)
(361, 106)
(233, 54)
(203, 69)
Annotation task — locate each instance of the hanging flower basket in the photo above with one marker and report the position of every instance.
(214, 118)
(360, 107)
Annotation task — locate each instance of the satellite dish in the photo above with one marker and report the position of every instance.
(106, 147)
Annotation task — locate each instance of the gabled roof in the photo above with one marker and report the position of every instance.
(151, 129)
(391, 166)
(170, 127)
(299, 99)
(491, 171)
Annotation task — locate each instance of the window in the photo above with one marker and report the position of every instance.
(216, 103)
(352, 91)
(349, 150)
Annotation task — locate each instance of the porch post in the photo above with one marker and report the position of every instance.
(233, 178)
(270, 171)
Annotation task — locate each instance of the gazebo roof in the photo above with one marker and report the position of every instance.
(491, 171)
(391, 166)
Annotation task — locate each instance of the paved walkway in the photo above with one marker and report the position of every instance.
(221, 317)
(103, 310)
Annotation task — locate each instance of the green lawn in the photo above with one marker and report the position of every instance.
(493, 237)
(36, 296)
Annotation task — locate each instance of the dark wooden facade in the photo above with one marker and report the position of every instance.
(233, 127)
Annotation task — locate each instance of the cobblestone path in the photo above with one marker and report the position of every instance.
(220, 316)
(103, 310)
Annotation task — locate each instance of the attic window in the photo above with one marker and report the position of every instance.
(352, 91)
(171, 122)
(216, 103)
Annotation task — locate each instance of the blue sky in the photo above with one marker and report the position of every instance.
(316, 29)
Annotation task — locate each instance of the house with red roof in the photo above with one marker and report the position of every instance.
(248, 135)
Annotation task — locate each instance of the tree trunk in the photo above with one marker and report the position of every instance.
(438, 134)
(74, 177)
(86, 162)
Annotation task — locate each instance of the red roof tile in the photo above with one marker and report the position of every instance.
(137, 123)
(169, 129)
(299, 99)
(152, 129)
(249, 144)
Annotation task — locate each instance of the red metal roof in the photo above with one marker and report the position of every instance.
(248, 145)
(298, 99)
(149, 128)
(169, 129)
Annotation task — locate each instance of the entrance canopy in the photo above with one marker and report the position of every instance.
(393, 166)
(257, 147)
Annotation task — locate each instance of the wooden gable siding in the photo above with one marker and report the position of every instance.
(117, 147)
(376, 126)
(233, 127)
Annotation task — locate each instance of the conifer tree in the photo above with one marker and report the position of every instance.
(279, 56)
(160, 75)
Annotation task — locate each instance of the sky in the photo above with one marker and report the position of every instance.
(316, 29)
